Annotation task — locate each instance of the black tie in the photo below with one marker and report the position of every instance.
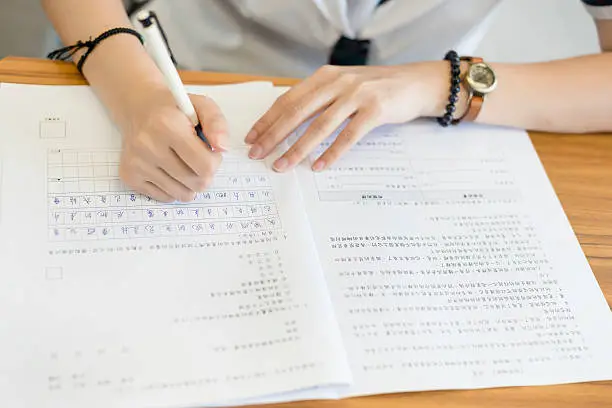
(348, 51)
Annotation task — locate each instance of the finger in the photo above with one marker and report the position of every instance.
(196, 155)
(361, 124)
(169, 185)
(292, 100)
(295, 106)
(319, 130)
(181, 155)
(214, 124)
(144, 178)
(178, 170)
(291, 116)
(154, 192)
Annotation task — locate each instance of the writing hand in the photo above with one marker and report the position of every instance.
(163, 158)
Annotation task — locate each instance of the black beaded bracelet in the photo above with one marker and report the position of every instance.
(66, 53)
(455, 88)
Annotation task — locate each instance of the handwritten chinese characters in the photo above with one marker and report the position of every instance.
(87, 201)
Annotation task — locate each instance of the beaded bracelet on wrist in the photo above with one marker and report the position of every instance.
(455, 88)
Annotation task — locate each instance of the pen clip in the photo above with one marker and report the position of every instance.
(152, 18)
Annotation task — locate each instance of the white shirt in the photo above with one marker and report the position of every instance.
(295, 37)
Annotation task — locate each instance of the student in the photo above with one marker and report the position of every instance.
(373, 61)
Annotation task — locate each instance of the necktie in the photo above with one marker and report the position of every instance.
(351, 51)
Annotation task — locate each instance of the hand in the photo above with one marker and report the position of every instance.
(162, 156)
(369, 96)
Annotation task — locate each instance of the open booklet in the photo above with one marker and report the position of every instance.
(427, 258)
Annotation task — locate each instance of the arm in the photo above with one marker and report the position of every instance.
(570, 95)
(162, 156)
(119, 70)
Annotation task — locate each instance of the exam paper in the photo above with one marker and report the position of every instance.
(109, 298)
(451, 264)
(441, 259)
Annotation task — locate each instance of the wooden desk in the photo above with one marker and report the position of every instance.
(580, 169)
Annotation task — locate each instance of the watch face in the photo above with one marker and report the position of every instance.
(481, 77)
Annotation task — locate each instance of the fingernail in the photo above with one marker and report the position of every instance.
(251, 136)
(255, 152)
(319, 165)
(281, 164)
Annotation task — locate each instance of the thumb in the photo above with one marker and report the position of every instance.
(214, 124)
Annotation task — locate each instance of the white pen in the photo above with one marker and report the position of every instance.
(158, 50)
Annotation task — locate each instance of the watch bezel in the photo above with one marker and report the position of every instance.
(478, 86)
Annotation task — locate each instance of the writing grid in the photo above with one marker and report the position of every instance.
(88, 201)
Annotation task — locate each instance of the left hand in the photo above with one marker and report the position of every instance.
(369, 96)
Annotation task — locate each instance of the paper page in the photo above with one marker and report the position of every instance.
(112, 299)
(452, 265)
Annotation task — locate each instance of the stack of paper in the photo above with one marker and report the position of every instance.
(427, 258)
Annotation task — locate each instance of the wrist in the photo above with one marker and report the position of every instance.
(125, 78)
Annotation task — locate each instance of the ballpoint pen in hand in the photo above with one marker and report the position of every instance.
(158, 49)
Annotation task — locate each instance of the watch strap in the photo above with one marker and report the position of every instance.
(476, 99)
(474, 107)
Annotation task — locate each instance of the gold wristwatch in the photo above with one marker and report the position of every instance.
(480, 80)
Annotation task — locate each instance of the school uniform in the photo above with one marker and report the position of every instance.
(295, 37)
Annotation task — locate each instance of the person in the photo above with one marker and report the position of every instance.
(371, 61)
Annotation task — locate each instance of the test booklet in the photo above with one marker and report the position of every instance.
(427, 258)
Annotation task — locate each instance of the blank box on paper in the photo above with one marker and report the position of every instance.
(99, 158)
(102, 186)
(85, 171)
(56, 187)
(86, 186)
(116, 185)
(54, 273)
(71, 187)
(52, 128)
(101, 171)
(55, 172)
(84, 158)
(113, 171)
(54, 157)
(71, 171)
(114, 157)
(70, 158)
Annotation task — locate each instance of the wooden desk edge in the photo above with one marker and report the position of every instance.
(45, 72)
(592, 394)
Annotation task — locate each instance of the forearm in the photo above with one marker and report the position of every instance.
(119, 68)
(571, 95)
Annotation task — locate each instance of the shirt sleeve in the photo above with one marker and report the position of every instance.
(599, 9)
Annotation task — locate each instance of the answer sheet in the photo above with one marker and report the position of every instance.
(427, 258)
(451, 264)
(108, 298)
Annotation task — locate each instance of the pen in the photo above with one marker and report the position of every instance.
(159, 50)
